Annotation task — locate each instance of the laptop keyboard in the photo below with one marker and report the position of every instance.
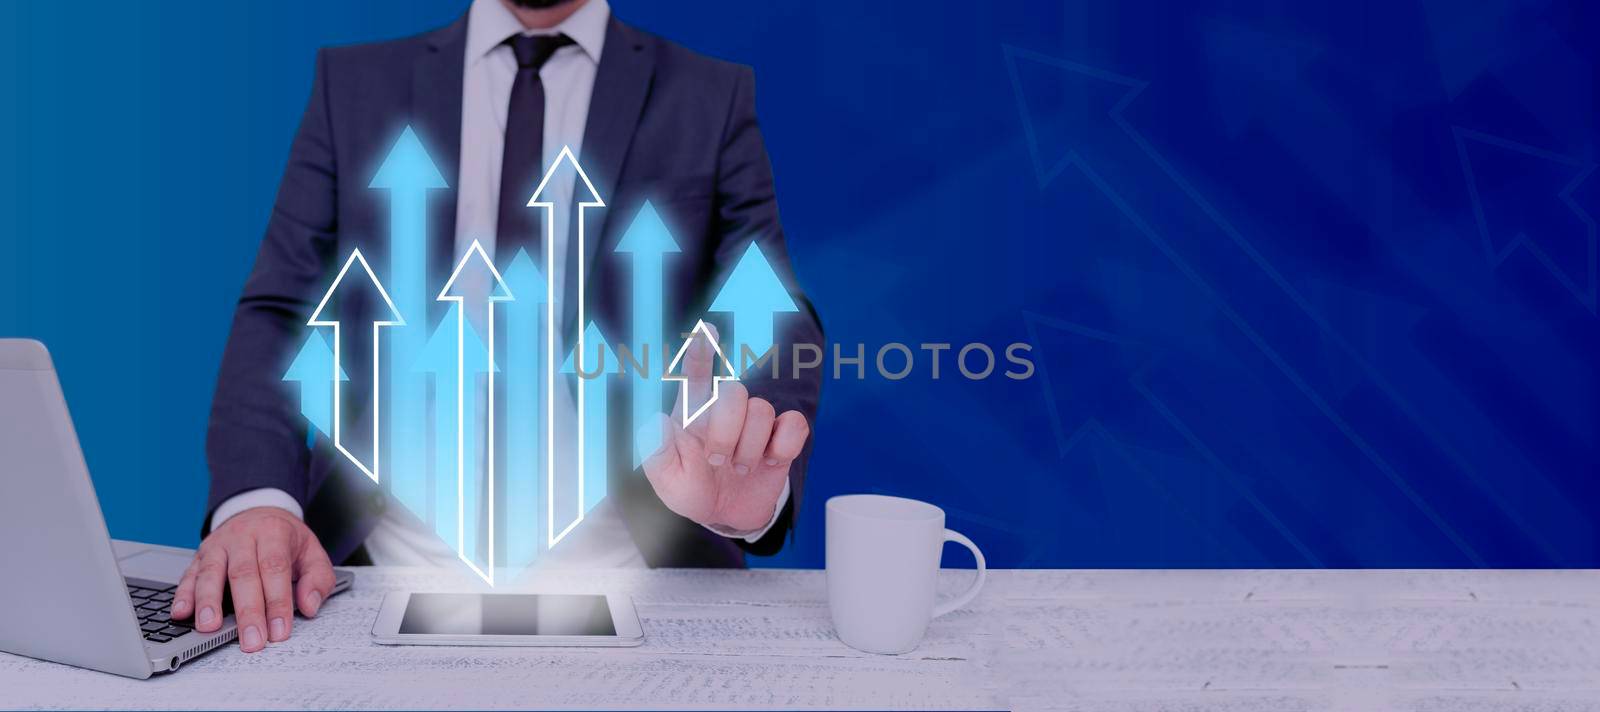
(154, 608)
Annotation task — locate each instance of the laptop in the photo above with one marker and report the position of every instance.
(75, 597)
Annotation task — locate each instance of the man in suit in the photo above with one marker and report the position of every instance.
(495, 96)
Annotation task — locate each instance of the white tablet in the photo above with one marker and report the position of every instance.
(526, 619)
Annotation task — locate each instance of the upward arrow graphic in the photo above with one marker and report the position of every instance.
(523, 411)
(584, 196)
(408, 174)
(720, 371)
(754, 295)
(390, 317)
(407, 170)
(598, 362)
(443, 356)
(312, 368)
(476, 279)
(648, 240)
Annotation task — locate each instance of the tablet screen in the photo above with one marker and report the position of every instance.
(506, 614)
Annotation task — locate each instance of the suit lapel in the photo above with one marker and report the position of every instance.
(436, 116)
(621, 84)
(346, 505)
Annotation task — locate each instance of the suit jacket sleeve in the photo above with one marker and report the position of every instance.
(748, 208)
(255, 437)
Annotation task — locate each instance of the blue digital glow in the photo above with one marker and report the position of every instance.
(458, 481)
(313, 370)
(754, 295)
(648, 240)
(368, 454)
(408, 174)
(596, 417)
(524, 412)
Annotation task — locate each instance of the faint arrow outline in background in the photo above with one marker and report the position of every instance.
(1586, 292)
(1136, 381)
(1130, 89)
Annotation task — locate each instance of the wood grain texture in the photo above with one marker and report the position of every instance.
(1089, 640)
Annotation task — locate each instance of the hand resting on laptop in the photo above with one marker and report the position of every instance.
(271, 564)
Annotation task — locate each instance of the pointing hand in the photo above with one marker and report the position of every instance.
(728, 468)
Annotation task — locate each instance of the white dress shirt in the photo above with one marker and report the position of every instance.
(490, 67)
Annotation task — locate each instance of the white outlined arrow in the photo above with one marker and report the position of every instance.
(683, 381)
(377, 375)
(498, 292)
(552, 361)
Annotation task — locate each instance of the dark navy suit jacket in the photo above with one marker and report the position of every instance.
(664, 124)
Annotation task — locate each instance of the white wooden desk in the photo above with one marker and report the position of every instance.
(1118, 640)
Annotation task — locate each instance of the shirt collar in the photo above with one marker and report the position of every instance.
(489, 23)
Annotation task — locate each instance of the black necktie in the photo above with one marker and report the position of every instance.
(521, 165)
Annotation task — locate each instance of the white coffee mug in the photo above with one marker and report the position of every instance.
(883, 561)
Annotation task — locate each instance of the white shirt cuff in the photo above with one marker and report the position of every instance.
(756, 535)
(250, 499)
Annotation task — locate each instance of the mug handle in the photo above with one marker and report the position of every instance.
(977, 585)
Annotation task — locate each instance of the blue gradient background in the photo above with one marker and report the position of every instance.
(1309, 286)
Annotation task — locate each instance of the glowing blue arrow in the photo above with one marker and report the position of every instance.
(754, 294)
(648, 240)
(387, 317)
(475, 279)
(454, 423)
(313, 368)
(523, 411)
(599, 361)
(408, 174)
